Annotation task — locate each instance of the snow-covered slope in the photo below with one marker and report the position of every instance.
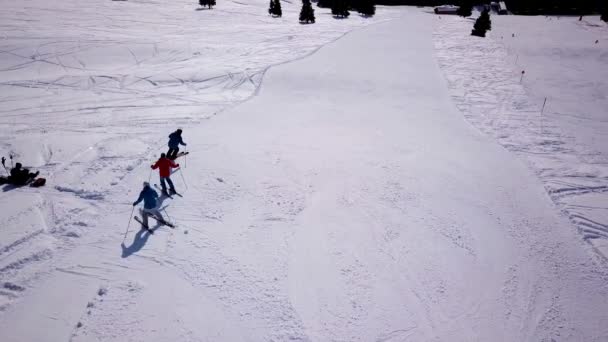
(90, 89)
(347, 201)
(565, 62)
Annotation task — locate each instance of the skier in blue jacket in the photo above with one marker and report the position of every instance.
(149, 196)
(175, 139)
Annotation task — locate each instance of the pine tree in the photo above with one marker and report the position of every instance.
(279, 10)
(482, 24)
(465, 9)
(307, 14)
(486, 19)
(275, 8)
(339, 8)
(208, 3)
(366, 7)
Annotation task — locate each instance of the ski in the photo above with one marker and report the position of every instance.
(143, 225)
(159, 220)
(166, 193)
(181, 154)
(162, 193)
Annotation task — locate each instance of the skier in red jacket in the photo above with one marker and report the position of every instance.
(165, 165)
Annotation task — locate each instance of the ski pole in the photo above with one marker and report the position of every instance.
(169, 217)
(185, 157)
(129, 225)
(150, 176)
(11, 156)
(183, 178)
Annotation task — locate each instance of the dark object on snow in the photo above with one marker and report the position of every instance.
(604, 16)
(324, 3)
(482, 24)
(275, 8)
(339, 9)
(175, 139)
(21, 176)
(307, 14)
(466, 9)
(365, 7)
(38, 182)
(208, 3)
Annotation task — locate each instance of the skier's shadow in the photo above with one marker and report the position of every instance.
(9, 187)
(139, 241)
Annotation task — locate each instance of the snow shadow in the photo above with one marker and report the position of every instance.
(9, 187)
(139, 241)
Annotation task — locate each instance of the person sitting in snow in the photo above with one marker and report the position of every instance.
(165, 165)
(149, 196)
(20, 176)
(175, 139)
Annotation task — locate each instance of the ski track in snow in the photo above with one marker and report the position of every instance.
(300, 246)
(89, 92)
(567, 151)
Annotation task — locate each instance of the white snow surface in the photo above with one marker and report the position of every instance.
(333, 194)
(564, 61)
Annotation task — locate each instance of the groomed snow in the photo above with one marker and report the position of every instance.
(347, 199)
(564, 61)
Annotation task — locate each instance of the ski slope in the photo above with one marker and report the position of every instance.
(347, 199)
(565, 143)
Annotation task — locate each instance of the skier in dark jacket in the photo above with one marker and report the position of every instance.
(149, 196)
(175, 139)
(20, 176)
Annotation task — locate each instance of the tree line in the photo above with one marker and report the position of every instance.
(342, 8)
(531, 7)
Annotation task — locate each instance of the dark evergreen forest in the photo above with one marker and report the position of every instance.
(562, 7)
